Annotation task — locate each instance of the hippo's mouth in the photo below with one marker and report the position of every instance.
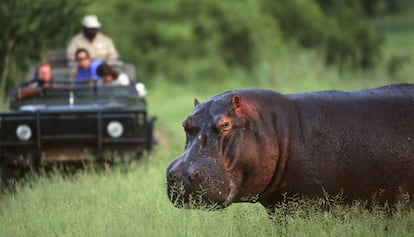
(201, 199)
(194, 200)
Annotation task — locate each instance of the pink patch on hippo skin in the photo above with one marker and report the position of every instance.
(235, 104)
(244, 106)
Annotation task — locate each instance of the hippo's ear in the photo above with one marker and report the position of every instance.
(235, 104)
(196, 102)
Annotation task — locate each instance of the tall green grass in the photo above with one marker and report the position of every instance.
(131, 200)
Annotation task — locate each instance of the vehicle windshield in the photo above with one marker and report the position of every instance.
(65, 91)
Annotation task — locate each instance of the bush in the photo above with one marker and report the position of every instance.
(185, 40)
(182, 40)
(340, 28)
(29, 28)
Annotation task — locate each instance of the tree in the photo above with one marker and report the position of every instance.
(29, 28)
(187, 39)
(340, 27)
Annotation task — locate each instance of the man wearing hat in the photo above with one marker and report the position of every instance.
(98, 44)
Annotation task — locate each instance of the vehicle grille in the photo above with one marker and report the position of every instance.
(74, 127)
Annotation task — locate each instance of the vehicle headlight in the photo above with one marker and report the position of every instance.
(141, 89)
(115, 129)
(23, 132)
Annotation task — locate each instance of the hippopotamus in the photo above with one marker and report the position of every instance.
(258, 145)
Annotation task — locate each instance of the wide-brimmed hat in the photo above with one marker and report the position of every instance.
(91, 21)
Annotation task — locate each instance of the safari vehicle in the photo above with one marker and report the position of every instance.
(68, 122)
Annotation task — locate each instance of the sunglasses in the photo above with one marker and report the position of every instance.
(81, 59)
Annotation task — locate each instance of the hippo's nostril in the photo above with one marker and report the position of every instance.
(194, 175)
(173, 177)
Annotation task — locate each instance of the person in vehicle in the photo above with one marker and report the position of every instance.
(43, 78)
(109, 76)
(44, 74)
(98, 44)
(86, 70)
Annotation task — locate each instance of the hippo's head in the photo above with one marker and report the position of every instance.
(230, 151)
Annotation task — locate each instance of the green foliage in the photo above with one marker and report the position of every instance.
(183, 40)
(373, 7)
(29, 28)
(340, 28)
(188, 39)
(131, 201)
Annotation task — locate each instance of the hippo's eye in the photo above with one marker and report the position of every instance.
(224, 124)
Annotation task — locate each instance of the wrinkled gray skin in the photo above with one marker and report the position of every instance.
(257, 145)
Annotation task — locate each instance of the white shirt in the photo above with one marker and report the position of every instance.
(101, 47)
(121, 80)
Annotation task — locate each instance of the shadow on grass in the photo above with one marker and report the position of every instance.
(16, 176)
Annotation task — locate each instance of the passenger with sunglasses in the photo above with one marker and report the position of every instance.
(86, 72)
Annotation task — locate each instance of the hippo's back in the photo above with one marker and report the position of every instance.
(357, 142)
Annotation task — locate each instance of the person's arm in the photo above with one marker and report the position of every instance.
(93, 69)
(27, 91)
(70, 51)
(112, 52)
